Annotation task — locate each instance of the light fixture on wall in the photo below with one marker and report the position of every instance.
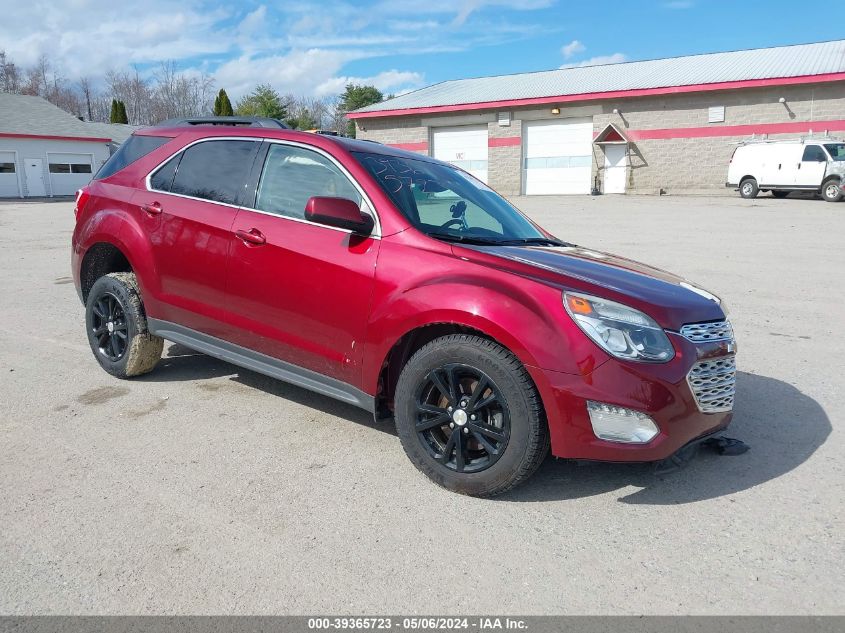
(615, 110)
(555, 110)
(782, 100)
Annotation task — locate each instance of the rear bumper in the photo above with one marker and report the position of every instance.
(661, 391)
(732, 185)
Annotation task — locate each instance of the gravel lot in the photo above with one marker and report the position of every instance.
(202, 488)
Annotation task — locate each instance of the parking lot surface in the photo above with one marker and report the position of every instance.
(204, 488)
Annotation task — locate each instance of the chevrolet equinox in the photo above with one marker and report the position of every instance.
(402, 285)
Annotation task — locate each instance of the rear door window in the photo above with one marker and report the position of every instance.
(162, 179)
(215, 170)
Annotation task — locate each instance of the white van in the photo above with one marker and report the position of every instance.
(784, 166)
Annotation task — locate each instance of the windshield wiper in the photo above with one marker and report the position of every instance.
(464, 239)
(538, 241)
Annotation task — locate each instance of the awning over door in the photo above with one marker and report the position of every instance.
(610, 135)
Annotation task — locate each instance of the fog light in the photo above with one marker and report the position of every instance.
(618, 424)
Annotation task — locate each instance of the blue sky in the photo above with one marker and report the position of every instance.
(315, 47)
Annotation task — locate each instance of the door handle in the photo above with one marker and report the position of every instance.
(252, 237)
(153, 208)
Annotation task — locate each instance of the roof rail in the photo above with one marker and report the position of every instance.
(238, 121)
(808, 138)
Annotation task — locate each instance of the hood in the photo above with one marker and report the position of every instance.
(670, 300)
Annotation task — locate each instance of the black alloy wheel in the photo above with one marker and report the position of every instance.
(116, 325)
(109, 327)
(463, 420)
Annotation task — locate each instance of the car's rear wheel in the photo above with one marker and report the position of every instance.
(469, 416)
(117, 327)
(831, 191)
(780, 194)
(748, 188)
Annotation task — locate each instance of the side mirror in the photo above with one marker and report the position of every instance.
(338, 212)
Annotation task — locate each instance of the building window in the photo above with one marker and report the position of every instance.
(70, 168)
(7, 168)
(716, 114)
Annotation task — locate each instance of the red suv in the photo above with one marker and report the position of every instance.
(404, 286)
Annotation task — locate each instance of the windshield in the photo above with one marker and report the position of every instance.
(836, 150)
(447, 203)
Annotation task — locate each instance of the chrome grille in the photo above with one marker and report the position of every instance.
(715, 331)
(713, 383)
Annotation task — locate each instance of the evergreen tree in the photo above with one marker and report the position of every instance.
(114, 112)
(225, 105)
(122, 117)
(355, 97)
(263, 101)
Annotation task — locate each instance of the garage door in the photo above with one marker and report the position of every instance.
(558, 156)
(464, 146)
(69, 172)
(8, 176)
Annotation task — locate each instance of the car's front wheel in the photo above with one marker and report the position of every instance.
(469, 416)
(117, 327)
(831, 191)
(748, 188)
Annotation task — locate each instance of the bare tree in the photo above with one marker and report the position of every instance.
(10, 75)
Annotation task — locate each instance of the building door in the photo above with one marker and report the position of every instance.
(8, 175)
(465, 147)
(615, 168)
(558, 156)
(34, 172)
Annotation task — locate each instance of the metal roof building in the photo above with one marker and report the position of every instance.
(572, 130)
(45, 151)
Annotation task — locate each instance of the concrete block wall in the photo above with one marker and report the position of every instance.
(684, 164)
(504, 169)
(407, 131)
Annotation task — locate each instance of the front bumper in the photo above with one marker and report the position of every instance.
(659, 390)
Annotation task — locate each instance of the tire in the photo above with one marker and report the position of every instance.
(748, 188)
(831, 191)
(117, 327)
(780, 194)
(479, 456)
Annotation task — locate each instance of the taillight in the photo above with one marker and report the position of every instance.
(81, 200)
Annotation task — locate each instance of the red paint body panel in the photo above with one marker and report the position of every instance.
(304, 296)
(337, 303)
(599, 96)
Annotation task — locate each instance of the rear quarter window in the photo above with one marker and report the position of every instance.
(132, 149)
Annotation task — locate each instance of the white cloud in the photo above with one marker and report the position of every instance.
(599, 60)
(297, 46)
(394, 81)
(573, 48)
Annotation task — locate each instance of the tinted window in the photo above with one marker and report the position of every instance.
(292, 175)
(133, 148)
(81, 168)
(814, 153)
(7, 168)
(215, 170)
(163, 177)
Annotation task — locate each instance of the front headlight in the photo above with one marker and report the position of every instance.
(619, 330)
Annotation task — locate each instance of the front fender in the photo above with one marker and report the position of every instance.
(416, 287)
